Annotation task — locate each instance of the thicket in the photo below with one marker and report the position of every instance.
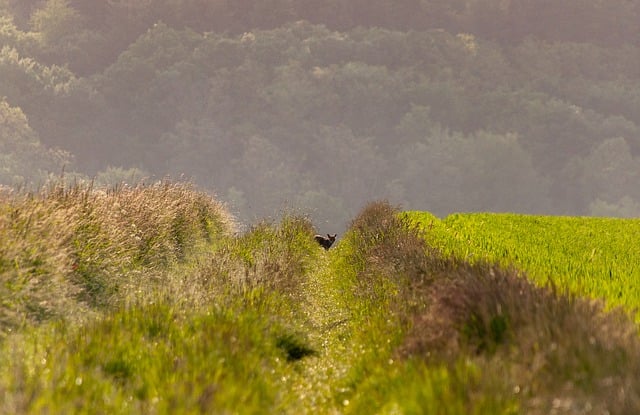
(438, 105)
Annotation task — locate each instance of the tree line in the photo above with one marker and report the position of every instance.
(470, 105)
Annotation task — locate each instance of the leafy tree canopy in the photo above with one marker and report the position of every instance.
(440, 105)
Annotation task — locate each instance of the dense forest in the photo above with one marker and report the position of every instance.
(528, 106)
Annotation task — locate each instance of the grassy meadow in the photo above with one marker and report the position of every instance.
(148, 300)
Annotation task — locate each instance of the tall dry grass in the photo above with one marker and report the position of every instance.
(70, 250)
(385, 248)
(266, 259)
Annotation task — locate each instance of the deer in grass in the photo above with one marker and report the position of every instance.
(326, 241)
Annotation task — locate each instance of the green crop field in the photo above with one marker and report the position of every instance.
(595, 257)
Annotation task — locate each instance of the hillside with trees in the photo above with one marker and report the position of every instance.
(467, 105)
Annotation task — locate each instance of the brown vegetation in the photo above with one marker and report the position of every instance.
(68, 250)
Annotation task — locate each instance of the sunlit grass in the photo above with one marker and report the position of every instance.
(151, 359)
(550, 343)
(165, 309)
(595, 257)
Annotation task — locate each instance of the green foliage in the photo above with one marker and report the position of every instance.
(55, 20)
(441, 162)
(365, 100)
(65, 37)
(389, 268)
(25, 161)
(608, 173)
(11, 36)
(413, 388)
(550, 339)
(481, 105)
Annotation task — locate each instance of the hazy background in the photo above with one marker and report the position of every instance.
(320, 106)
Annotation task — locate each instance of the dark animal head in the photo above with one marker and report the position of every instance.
(326, 241)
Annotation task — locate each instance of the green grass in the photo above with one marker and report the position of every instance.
(149, 360)
(146, 300)
(595, 257)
